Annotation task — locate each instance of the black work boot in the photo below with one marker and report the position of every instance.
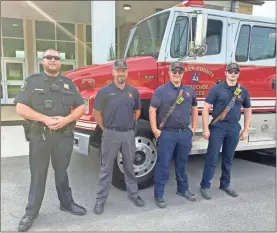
(25, 223)
(74, 209)
(138, 201)
(205, 192)
(160, 202)
(99, 207)
(230, 191)
(187, 194)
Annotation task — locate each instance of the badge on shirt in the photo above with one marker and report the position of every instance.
(237, 91)
(66, 86)
(180, 99)
(130, 95)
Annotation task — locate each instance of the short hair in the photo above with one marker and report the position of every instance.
(50, 50)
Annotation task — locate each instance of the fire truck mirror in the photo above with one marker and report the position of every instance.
(201, 29)
(274, 84)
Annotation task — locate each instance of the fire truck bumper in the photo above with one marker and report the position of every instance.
(81, 143)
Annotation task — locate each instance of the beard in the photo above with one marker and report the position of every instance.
(52, 70)
(121, 80)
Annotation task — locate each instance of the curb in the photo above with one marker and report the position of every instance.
(12, 123)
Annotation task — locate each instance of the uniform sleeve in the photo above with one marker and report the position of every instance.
(25, 93)
(194, 101)
(78, 100)
(210, 99)
(156, 99)
(137, 100)
(246, 102)
(99, 101)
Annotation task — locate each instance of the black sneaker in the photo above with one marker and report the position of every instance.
(205, 193)
(160, 202)
(230, 191)
(138, 201)
(26, 223)
(99, 207)
(187, 194)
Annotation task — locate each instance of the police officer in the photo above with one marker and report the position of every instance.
(175, 104)
(46, 99)
(226, 98)
(116, 107)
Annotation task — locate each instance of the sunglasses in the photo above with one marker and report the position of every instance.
(50, 57)
(236, 71)
(177, 71)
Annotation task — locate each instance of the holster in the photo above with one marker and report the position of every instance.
(27, 126)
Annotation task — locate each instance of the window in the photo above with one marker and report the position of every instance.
(88, 45)
(179, 43)
(59, 36)
(243, 44)
(262, 43)
(12, 37)
(258, 43)
(147, 36)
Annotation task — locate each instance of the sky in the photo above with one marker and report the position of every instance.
(268, 9)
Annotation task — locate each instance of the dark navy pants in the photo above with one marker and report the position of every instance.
(177, 145)
(225, 135)
(59, 147)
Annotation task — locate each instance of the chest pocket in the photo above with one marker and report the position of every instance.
(68, 97)
(38, 97)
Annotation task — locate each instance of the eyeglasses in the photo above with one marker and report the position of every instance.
(50, 57)
(177, 71)
(236, 71)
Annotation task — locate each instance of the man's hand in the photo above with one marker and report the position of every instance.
(157, 133)
(206, 133)
(60, 122)
(51, 122)
(243, 134)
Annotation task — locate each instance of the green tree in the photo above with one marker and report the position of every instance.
(112, 55)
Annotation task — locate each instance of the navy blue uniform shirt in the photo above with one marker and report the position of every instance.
(221, 94)
(118, 105)
(164, 97)
(38, 88)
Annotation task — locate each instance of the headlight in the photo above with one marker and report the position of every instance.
(86, 105)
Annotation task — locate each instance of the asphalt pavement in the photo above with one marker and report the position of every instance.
(253, 210)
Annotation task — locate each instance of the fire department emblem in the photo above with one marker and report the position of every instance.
(130, 95)
(187, 93)
(195, 77)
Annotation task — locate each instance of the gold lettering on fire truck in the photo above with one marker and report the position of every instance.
(199, 68)
(199, 89)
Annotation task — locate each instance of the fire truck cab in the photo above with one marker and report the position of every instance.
(205, 40)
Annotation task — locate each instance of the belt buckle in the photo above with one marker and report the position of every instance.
(52, 130)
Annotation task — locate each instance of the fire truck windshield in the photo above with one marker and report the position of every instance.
(146, 37)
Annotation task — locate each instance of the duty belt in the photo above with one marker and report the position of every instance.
(118, 130)
(176, 130)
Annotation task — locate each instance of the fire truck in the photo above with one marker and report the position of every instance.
(205, 40)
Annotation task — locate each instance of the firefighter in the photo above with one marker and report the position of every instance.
(226, 98)
(173, 134)
(46, 99)
(116, 107)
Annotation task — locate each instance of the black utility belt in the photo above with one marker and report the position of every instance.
(45, 129)
(176, 130)
(118, 130)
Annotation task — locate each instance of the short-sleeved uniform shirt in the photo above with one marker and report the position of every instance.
(118, 106)
(221, 94)
(41, 91)
(164, 97)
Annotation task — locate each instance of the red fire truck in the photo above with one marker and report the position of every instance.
(205, 40)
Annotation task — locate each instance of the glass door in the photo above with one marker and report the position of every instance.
(12, 79)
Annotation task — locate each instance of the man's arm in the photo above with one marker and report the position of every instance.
(194, 113)
(247, 115)
(28, 113)
(247, 118)
(76, 113)
(99, 104)
(137, 107)
(154, 105)
(205, 115)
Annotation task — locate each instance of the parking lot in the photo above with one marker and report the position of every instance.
(253, 210)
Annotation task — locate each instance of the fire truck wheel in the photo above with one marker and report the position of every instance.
(145, 159)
